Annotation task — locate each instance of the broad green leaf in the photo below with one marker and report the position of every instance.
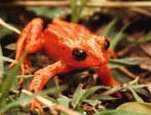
(127, 61)
(47, 11)
(81, 94)
(143, 108)
(78, 95)
(64, 101)
(92, 102)
(92, 90)
(119, 112)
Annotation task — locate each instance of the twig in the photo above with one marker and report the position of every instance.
(120, 4)
(124, 70)
(129, 74)
(37, 3)
(117, 88)
(149, 88)
(103, 3)
(65, 110)
(140, 11)
(49, 104)
(124, 86)
(112, 90)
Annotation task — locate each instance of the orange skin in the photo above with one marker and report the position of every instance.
(58, 40)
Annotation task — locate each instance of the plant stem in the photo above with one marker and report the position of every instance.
(74, 9)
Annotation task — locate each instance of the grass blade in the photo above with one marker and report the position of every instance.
(110, 27)
(8, 83)
(9, 26)
(136, 96)
(7, 59)
(92, 90)
(19, 102)
(1, 64)
(127, 61)
(118, 38)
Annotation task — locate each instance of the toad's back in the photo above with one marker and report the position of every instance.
(60, 37)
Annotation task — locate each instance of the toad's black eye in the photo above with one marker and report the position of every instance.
(106, 44)
(79, 54)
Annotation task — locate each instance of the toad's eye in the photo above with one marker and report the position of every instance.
(79, 54)
(106, 44)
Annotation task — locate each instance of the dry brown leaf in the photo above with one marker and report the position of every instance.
(146, 64)
(147, 48)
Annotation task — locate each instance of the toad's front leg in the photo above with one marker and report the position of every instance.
(107, 78)
(42, 76)
(29, 41)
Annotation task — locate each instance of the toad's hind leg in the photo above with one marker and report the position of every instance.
(30, 41)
